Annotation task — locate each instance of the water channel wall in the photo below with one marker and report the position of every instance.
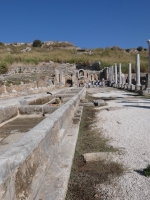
(8, 112)
(25, 163)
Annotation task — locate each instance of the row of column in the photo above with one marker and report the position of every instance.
(113, 75)
(148, 75)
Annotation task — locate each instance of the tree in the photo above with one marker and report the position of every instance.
(140, 48)
(37, 43)
(115, 48)
(127, 50)
(1, 44)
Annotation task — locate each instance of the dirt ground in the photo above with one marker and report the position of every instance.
(86, 176)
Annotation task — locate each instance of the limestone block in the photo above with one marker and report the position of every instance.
(23, 102)
(132, 87)
(86, 104)
(30, 109)
(137, 88)
(89, 157)
(84, 100)
(49, 109)
(7, 113)
(14, 91)
(99, 102)
(26, 49)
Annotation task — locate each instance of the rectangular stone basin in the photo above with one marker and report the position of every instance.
(14, 130)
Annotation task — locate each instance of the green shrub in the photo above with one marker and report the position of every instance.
(115, 48)
(127, 50)
(140, 48)
(125, 69)
(37, 43)
(3, 68)
(146, 171)
(1, 44)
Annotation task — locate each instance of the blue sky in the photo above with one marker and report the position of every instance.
(85, 23)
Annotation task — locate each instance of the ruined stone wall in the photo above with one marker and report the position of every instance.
(24, 87)
(84, 76)
(19, 88)
(20, 68)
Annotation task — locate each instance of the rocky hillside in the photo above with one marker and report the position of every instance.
(17, 47)
(65, 52)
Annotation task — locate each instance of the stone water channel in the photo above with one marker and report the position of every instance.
(25, 127)
(29, 115)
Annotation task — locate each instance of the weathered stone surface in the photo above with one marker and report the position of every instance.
(32, 109)
(132, 87)
(138, 70)
(89, 157)
(7, 113)
(84, 100)
(86, 104)
(26, 49)
(56, 181)
(99, 102)
(27, 161)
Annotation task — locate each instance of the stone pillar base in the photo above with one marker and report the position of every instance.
(115, 85)
(146, 92)
(119, 86)
(126, 86)
(137, 88)
(132, 88)
(123, 86)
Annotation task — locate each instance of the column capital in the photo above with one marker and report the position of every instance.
(148, 41)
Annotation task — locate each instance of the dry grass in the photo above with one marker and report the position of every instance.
(107, 57)
(82, 185)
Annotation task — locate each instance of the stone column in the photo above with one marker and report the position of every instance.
(115, 73)
(148, 75)
(109, 71)
(106, 73)
(138, 70)
(120, 73)
(148, 41)
(5, 91)
(129, 74)
(112, 73)
(123, 79)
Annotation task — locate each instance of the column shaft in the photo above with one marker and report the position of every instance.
(138, 70)
(115, 73)
(112, 73)
(148, 56)
(120, 73)
(129, 74)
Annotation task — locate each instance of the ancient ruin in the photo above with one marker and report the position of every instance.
(40, 113)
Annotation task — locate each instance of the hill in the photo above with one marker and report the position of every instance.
(65, 52)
